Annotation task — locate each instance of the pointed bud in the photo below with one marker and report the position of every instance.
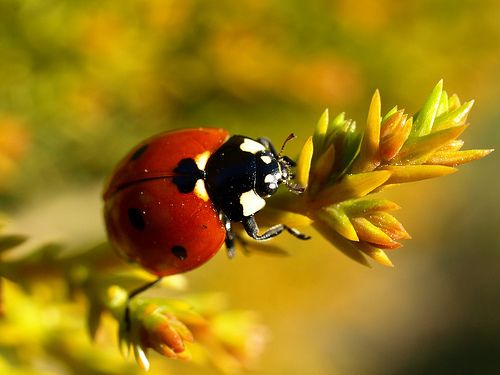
(390, 113)
(390, 125)
(389, 225)
(391, 143)
(371, 233)
(453, 102)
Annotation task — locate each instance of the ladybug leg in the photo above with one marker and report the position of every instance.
(131, 295)
(253, 230)
(229, 241)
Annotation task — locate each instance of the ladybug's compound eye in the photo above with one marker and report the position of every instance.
(268, 176)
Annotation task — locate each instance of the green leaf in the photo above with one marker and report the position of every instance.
(425, 119)
(443, 105)
(364, 206)
(339, 221)
(390, 113)
(350, 150)
(335, 125)
(455, 117)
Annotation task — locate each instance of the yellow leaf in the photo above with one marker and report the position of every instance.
(322, 168)
(454, 158)
(376, 254)
(368, 158)
(304, 163)
(341, 243)
(453, 102)
(410, 173)
(351, 186)
(453, 145)
(320, 132)
(272, 216)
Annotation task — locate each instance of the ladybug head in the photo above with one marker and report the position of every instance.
(274, 169)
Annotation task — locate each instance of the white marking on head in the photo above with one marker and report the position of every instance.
(202, 159)
(266, 159)
(251, 203)
(249, 145)
(200, 191)
(269, 178)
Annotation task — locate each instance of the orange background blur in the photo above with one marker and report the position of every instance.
(81, 82)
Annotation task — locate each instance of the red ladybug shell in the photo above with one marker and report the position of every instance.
(148, 220)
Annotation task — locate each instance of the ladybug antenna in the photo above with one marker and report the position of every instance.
(289, 138)
(288, 163)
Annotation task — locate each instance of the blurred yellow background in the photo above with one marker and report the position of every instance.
(82, 82)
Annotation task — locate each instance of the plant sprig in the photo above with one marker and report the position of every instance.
(342, 163)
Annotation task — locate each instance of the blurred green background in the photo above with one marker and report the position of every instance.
(83, 81)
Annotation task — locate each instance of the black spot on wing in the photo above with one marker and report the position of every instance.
(137, 154)
(179, 251)
(136, 218)
(187, 173)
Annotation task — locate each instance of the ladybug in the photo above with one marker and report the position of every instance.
(171, 202)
